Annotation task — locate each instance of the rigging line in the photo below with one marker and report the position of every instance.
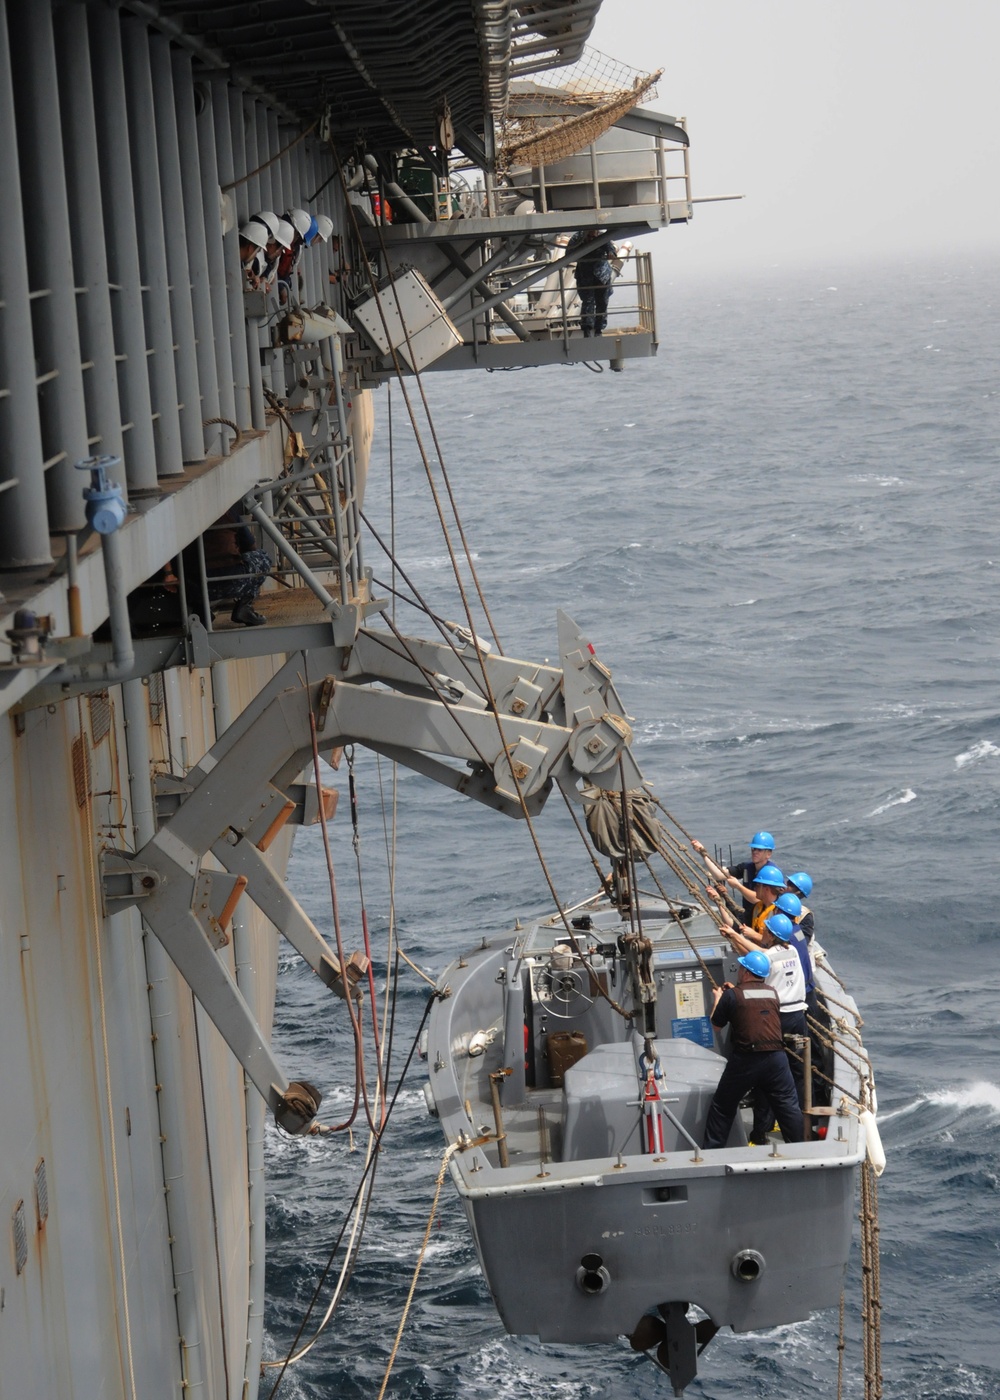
(581, 832)
(392, 506)
(432, 683)
(370, 1166)
(90, 837)
(335, 905)
(439, 622)
(446, 1158)
(283, 152)
(413, 421)
(465, 601)
(356, 842)
(363, 1207)
(359, 1210)
(678, 920)
(634, 912)
(437, 448)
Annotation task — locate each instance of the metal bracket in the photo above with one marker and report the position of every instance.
(124, 881)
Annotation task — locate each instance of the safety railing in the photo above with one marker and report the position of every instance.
(551, 311)
(620, 169)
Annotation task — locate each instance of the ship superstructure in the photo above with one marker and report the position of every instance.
(152, 754)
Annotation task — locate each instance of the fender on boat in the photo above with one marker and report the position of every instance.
(873, 1139)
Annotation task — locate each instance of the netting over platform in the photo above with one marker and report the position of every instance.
(550, 119)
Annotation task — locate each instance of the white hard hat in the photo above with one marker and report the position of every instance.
(255, 232)
(284, 233)
(300, 220)
(267, 217)
(324, 226)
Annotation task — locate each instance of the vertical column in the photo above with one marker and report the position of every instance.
(90, 263)
(186, 366)
(152, 248)
(215, 143)
(246, 195)
(267, 123)
(258, 153)
(197, 252)
(50, 260)
(24, 527)
(117, 199)
(311, 291)
(245, 151)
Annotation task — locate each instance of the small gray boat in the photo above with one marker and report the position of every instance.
(572, 1064)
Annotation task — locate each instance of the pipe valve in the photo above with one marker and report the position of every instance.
(106, 509)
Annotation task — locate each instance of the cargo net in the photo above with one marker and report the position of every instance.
(600, 90)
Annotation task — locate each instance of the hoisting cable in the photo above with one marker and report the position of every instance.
(439, 622)
(356, 843)
(370, 1166)
(434, 437)
(413, 423)
(465, 602)
(362, 1205)
(335, 908)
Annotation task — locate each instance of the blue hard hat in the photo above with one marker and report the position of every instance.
(802, 883)
(756, 961)
(762, 841)
(789, 904)
(769, 875)
(781, 926)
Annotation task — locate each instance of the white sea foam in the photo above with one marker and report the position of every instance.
(981, 1094)
(744, 603)
(983, 749)
(899, 801)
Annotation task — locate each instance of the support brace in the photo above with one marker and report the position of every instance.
(561, 725)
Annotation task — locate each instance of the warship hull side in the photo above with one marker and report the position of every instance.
(119, 1098)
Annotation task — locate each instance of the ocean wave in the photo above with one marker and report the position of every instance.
(980, 1094)
(983, 749)
(899, 801)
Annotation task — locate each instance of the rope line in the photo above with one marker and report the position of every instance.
(370, 1167)
(446, 1158)
(283, 152)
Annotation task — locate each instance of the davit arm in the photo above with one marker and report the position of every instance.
(420, 703)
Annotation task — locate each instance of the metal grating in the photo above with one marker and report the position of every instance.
(81, 770)
(41, 1192)
(20, 1229)
(157, 697)
(100, 716)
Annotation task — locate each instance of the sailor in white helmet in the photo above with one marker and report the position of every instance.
(305, 233)
(281, 235)
(254, 238)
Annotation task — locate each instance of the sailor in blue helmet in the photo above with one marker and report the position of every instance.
(799, 883)
(817, 1014)
(757, 1060)
(791, 906)
(741, 876)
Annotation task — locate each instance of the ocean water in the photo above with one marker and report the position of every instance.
(781, 534)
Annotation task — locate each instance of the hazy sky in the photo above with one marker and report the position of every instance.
(852, 127)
